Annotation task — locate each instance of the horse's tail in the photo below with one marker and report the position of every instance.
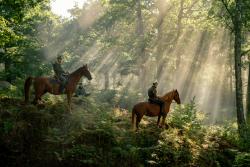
(133, 117)
(27, 84)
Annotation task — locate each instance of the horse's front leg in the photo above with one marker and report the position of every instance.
(163, 121)
(69, 97)
(158, 121)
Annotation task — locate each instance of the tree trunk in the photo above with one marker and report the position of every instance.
(248, 94)
(141, 45)
(231, 96)
(238, 65)
(106, 82)
(140, 32)
(139, 28)
(231, 68)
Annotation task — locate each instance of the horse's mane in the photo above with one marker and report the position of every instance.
(75, 72)
(168, 95)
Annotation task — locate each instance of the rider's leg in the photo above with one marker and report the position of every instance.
(158, 102)
(161, 104)
(63, 82)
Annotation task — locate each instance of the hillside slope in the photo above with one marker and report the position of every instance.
(96, 134)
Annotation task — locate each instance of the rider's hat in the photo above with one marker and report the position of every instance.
(155, 83)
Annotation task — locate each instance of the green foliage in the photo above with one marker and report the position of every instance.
(244, 141)
(22, 33)
(86, 155)
(187, 117)
(7, 126)
(229, 131)
(176, 145)
(172, 148)
(242, 160)
(127, 99)
(107, 96)
(96, 134)
(11, 92)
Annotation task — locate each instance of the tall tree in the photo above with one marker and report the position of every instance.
(236, 16)
(141, 42)
(237, 22)
(20, 35)
(248, 94)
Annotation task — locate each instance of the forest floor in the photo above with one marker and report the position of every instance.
(96, 134)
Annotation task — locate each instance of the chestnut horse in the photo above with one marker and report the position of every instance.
(43, 85)
(152, 110)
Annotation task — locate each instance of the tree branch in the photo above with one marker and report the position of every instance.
(191, 6)
(229, 12)
(245, 52)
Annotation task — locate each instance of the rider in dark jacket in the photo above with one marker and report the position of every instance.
(153, 98)
(61, 75)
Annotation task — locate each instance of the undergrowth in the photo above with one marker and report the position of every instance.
(99, 134)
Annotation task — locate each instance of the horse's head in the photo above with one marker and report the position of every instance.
(176, 96)
(85, 72)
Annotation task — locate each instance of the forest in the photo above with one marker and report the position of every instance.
(112, 53)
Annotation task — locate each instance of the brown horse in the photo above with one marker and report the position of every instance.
(43, 85)
(152, 110)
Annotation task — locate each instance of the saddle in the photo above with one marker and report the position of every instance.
(150, 101)
(54, 80)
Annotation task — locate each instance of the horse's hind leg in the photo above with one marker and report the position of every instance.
(38, 95)
(138, 119)
(69, 97)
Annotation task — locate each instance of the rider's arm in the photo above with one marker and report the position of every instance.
(54, 68)
(58, 69)
(155, 92)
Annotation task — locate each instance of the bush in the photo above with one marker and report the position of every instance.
(186, 117)
(173, 149)
(242, 160)
(128, 99)
(106, 96)
(244, 142)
